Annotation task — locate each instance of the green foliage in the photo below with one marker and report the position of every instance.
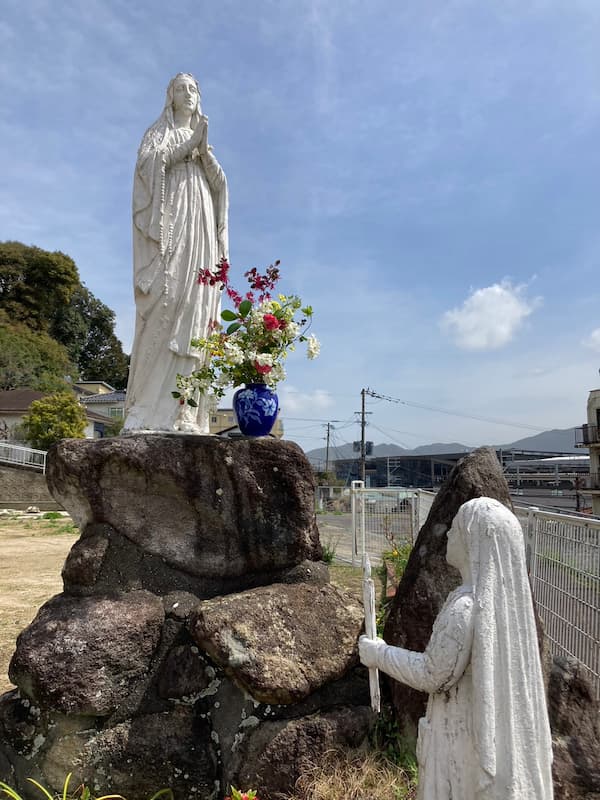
(393, 744)
(86, 328)
(40, 293)
(329, 550)
(58, 416)
(52, 515)
(35, 283)
(80, 793)
(31, 359)
(398, 556)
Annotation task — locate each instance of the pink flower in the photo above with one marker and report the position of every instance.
(262, 370)
(271, 322)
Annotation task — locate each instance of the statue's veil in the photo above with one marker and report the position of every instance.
(156, 133)
(509, 705)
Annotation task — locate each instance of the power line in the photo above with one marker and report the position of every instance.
(454, 413)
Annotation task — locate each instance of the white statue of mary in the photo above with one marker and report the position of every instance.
(180, 210)
(486, 734)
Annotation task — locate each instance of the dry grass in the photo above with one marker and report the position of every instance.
(32, 553)
(354, 776)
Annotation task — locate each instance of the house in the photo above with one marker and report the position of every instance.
(109, 403)
(14, 404)
(589, 436)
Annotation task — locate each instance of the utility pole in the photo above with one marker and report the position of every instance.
(363, 444)
(327, 450)
(363, 454)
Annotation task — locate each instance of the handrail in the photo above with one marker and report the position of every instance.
(22, 456)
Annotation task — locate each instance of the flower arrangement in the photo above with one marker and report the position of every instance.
(237, 795)
(261, 331)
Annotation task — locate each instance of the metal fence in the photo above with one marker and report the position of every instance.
(384, 517)
(22, 456)
(563, 558)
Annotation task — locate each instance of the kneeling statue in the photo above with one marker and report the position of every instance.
(486, 734)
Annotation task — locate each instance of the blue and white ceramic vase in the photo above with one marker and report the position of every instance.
(255, 407)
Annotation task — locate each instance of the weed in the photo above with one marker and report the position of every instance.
(52, 515)
(329, 550)
(81, 793)
(340, 776)
(395, 746)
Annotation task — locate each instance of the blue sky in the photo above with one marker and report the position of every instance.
(427, 172)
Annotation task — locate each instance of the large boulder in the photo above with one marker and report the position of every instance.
(428, 578)
(271, 640)
(88, 655)
(208, 514)
(575, 721)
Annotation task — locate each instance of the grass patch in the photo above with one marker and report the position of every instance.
(354, 776)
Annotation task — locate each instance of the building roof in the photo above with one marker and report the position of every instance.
(95, 383)
(18, 400)
(110, 397)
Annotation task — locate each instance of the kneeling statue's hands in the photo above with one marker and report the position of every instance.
(368, 650)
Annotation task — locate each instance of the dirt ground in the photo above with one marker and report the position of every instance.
(32, 553)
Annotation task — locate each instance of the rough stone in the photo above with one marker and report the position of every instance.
(137, 756)
(111, 684)
(274, 755)
(84, 562)
(87, 655)
(207, 509)
(183, 673)
(428, 578)
(281, 642)
(575, 721)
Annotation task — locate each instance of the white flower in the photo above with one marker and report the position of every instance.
(264, 359)
(292, 329)
(277, 374)
(313, 346)
(233, 352)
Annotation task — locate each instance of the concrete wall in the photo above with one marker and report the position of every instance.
(20, 488)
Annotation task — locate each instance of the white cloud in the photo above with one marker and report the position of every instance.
(593, 340)
(490, 317)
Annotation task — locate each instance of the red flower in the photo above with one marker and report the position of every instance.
(271, 322)
(264, 369)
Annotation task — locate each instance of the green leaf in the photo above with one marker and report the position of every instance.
(10, 792)
(66, 786)
(41, 788)
(245, 307)
(235, 326)
(228, 315)
(176, 395)
(191, 402)
(163, 792)
(308, 311)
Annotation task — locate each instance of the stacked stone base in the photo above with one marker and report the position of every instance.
(198, 641)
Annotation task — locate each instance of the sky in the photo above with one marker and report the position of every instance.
(427, 171)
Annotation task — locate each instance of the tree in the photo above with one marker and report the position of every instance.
(86, 328)
(42, 291)
(30, 359)
(58, 416)
(35, 283)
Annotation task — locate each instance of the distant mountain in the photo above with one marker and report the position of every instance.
(561, 441)
(555, 441)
